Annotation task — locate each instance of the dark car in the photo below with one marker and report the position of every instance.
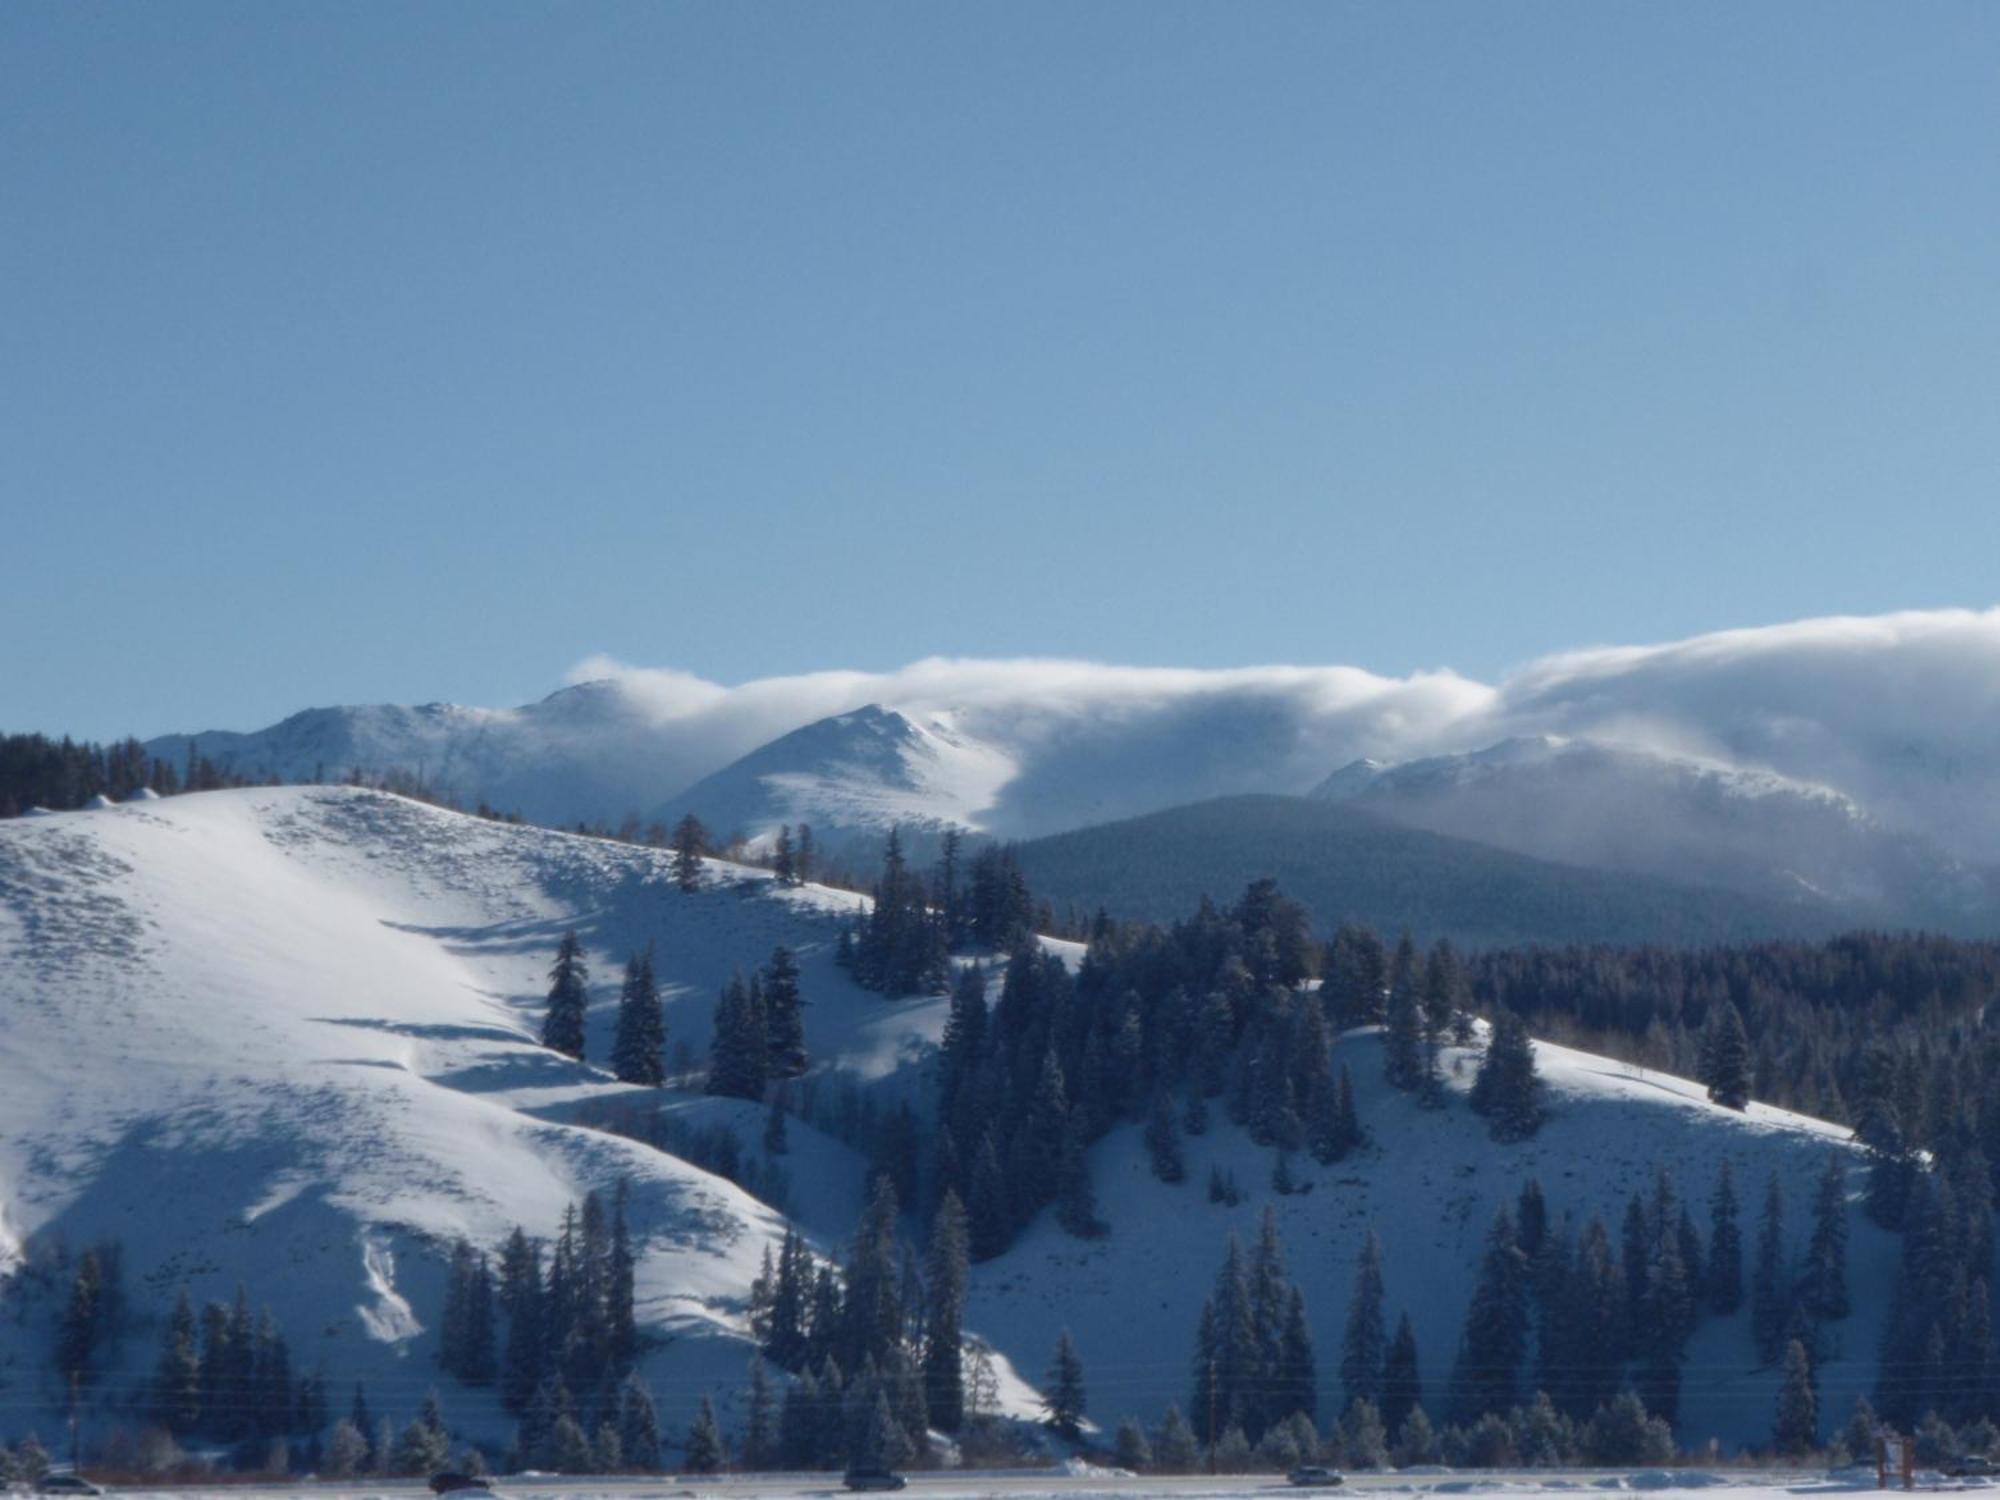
(1314, 1476)
(67, 1484)
(873, 1479)
(453, 1483)
(1969, 1465)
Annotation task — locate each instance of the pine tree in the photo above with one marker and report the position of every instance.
(638, 1425)
(739, 1052)
(946, 1262)
(784, 1015)
(562, 1028)
(702, 1451)
(1770, 1286)
(690, 843)
(804, 860)
(1725, 1058)
(1130, 1450)
(1725, 1248)
(1402, 1382)
(1507, 1089)
(177, 1378)
(1297, 1384)
(1496, 1326)
(1403, 1043)
(1823, 1288)
(760, 1425)
(1365, 1341)
(1076, 1200)
(784, 861)
(638, 1048)
(1176, 1450)
(1163, 1140)
(1064, 1404)
(1795, 1432)
(872, 1315)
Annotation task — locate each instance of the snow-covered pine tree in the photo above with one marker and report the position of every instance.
(562, 1027)
(1064, 1406)
(1365, 1341)
(638, 1047)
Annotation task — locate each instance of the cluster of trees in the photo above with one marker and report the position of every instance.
(225, 1374)
(1254, 1367)
(1827, 1027)
(903, 945)
(759, 1036)
(571, 1335)
(93, 1316)
(36, 771)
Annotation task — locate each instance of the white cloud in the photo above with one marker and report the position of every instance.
(1900, 711)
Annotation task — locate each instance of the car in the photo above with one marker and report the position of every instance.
(453, 1483)
(1314, 1476)
(873, 1479)
(1968, 1465)
(67, 1484)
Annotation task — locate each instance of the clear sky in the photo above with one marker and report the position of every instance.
(397, 352)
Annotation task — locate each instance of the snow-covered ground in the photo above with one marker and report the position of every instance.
(285, 1036)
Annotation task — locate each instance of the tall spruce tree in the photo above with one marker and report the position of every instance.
(638, 1046)
(1402, 1381)
(562, 1027)
(1771, 1283)
(945, 1268)
(177, 1377)
(1365, 1341)
(784, 1015)
(1496, 1327)
(739, 1051)
(1065, 1403)
(1725, 1058)
(1795, 1432)
(1823, 1286)
(1507, 1089)
(1724, 1282)
(690, 844)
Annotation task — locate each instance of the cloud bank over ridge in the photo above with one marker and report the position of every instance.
(1899, 711)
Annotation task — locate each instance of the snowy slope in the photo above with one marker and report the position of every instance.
(1697, 821)
(1429, 1187)
(285, 1037)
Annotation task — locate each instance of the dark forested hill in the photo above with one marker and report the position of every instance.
(1346, 865)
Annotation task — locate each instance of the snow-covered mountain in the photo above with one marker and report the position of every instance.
(285, 1036)
(1691, 820)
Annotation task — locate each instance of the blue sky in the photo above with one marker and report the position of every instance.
(390, 352)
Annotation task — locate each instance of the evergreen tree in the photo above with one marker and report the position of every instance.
(1297, 1385)
(1076, 1200)
(1507, 1089)
(1130, 1450)
(638, 1425)
(1795, 1432)
(1496, 1327)
(702, 1451)
(1365, 1340)
(1725, 1248)
(1402, 1383)
(562, 1028)
(638, 1047)
(946, 1264)
(690, 843)
(784, 1015)
(872, 1316)
(1064, 1405)
(1725, 1058)
(1770, 1285)
(1176, 1450)
(804, 859)
(1823, 1288)
(784, 860)
(739, 1052)
(1163, 1140)
(1403, 1043)
(760, 1425)
(177, 1377)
